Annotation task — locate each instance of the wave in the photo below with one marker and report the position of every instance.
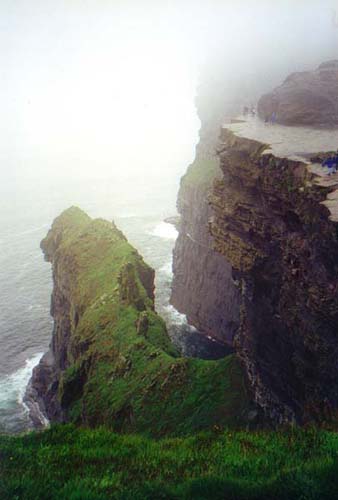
(167, 268)
(13, 386)
(165, 230)
(178, 318)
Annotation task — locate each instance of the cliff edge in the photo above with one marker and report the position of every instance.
(272, 224)
(202, 287)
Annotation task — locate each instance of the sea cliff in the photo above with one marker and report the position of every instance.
(110, 359)
(266, 207)
(202, 285)
(271, 223)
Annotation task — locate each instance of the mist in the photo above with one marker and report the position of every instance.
(106, 89)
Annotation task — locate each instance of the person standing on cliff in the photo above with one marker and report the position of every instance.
(331, 163)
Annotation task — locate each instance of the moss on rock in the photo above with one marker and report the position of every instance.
(118, 366)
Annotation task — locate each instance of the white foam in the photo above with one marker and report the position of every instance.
(36, 306)
(178, 318)
(13, 386)
(165, 230)
(167, 268)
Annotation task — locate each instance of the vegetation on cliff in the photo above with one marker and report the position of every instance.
(201, 173)
(74, 463)
(118, 366)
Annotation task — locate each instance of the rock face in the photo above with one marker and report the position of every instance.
(271, 227)
(305, 98)
(110, 359)
(202, 285)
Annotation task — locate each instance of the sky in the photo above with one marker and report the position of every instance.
(106, 88)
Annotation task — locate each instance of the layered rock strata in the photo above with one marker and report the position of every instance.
(202, 287)
(271, 225)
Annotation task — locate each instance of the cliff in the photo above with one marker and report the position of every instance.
(202, 286)
(305, 98)
(110, 359)
(272, 224)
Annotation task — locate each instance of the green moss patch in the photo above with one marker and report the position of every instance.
(201, 172)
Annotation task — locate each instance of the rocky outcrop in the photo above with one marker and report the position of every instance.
(110, 359)
(305, 98)
(271, 226)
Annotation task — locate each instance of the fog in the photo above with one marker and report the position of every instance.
(106, 88)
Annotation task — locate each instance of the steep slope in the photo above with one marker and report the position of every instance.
(272, 226)
(202, 287)
(110, 360)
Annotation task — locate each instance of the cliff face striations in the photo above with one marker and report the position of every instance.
(110, 360)
(202, 287)
(271, 226)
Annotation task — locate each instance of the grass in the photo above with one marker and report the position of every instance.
(66, 462)
(122, 370)
(201, 172)
(124, 377)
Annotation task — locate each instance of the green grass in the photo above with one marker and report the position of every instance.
(66, 462)
(120, 374)
(201, 173)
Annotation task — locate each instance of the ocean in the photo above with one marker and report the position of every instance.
(27, 208)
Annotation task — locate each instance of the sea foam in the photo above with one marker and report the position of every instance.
(165, 230)
(13, 386)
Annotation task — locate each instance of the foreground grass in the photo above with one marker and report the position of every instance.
(66, 462)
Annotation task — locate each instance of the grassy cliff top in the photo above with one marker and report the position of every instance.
(122, 370)
(92, 254)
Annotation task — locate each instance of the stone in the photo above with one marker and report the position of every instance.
(305, 98)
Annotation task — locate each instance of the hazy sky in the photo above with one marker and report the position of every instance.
(96, 88)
